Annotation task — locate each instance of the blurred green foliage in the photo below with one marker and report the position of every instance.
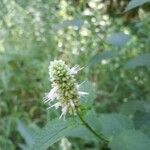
(112, 46)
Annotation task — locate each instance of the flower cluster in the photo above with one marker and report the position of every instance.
(65, 90)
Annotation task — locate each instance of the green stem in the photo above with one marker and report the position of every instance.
(100, 136)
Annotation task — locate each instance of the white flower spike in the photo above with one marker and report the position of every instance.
(65, 92)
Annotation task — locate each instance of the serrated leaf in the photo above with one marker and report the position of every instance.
(101, 56)
(135, 3)
(141, 60)
(118, 39)
(130, 140)
(113, 124)
(53, 132)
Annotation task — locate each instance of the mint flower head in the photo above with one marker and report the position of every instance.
(65, 91)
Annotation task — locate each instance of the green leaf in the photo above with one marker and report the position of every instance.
(5, 79)
(135, 3)
(101, 56)
(108, 124)
(141, 60)
(145, 128)
(140, 112)
(130, 107)
(82, 133)
(23, 4)
(6, 144)
(113, 124)
(53, 132)
(130, 140)
(141, 118)
(92, 119)
(26, 133)
(118, 39)
(142, 122)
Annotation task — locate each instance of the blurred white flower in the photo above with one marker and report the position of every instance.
(65, 91)
(65, 144)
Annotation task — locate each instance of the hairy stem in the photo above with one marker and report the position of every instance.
(100, 136)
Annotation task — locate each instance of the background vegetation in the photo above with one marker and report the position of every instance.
(110, 39)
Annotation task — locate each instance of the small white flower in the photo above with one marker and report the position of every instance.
(56, 105)
(64, 111)
(65, 91)
(83, 93)
(51, 95)
(65, 144)
(75, 69)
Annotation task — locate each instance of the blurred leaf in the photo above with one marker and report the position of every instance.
(53, 132)
(141, 60)
(23, 147)
(5, 58)
(145, 128)
(146, 106)
(141, 118)
(108, 124)
(5, 79)
(23, 4)
(113, 124)
(118, 39)
(131, 107)
(101, 56)
(135, 3)
(140, 113)
(6, 144)
(66, 23)
(26, 133)
(130, 140)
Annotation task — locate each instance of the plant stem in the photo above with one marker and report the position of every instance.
(100, 136)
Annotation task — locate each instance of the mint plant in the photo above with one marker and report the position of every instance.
(74, 122)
